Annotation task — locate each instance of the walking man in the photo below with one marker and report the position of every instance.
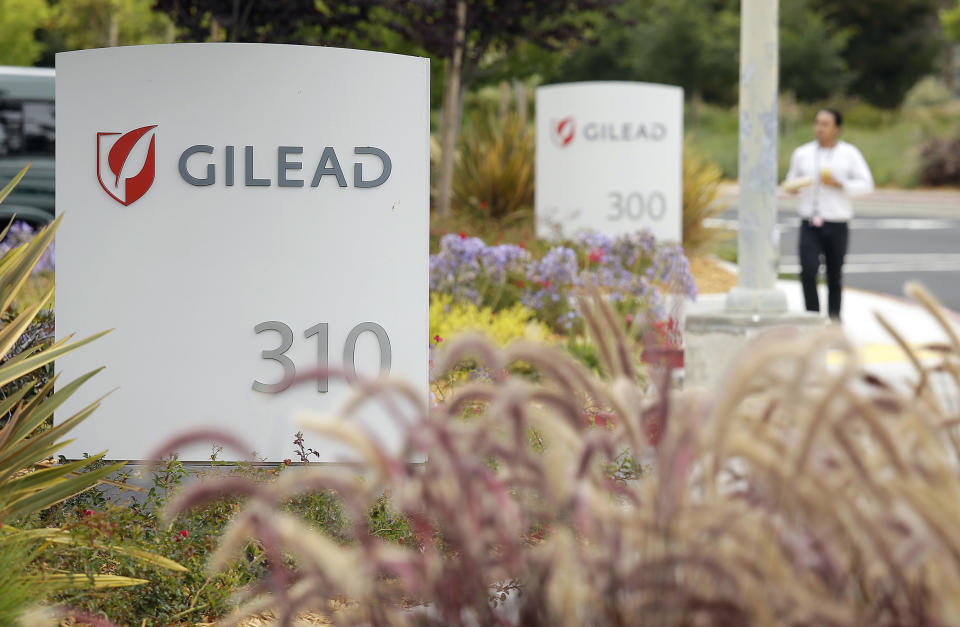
(826, 173)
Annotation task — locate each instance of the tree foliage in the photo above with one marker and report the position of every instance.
(19, 22)
(682, 42)
(876, 50)
(695, 44)
(812, 65)
(950, 21)
(83, 24)
(467, 34)
(267, 21)
(892, 44)
(495, 29)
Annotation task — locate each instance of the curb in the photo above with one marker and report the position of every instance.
(903, 300)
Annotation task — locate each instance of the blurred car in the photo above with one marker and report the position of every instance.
(27, 134)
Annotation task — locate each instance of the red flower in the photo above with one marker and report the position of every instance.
(653, 435)
(287, 461)
(629, 319)
(483, 205)
(546, 283)
(599, 419)
(596, 255)
(462, 235)
(603, 419)
(520, 283)
(183, 533)
(437, 339)
(522, 245)
(88, 512)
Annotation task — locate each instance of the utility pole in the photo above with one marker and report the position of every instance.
(717, 333)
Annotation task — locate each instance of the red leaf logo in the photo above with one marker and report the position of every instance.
(132, 187)
(564, 131)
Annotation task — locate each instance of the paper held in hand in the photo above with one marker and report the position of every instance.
(794, 185)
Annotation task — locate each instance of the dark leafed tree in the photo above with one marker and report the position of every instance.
(266, 21)
(467, 33)
(696, 44)
(892, 44)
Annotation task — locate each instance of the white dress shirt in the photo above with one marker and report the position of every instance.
(845, 164)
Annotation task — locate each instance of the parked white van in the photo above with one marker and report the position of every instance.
(27, 135)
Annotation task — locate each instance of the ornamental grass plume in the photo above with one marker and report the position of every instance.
(793, 494)
(702, 201)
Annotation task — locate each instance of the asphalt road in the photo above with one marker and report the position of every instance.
(895, 237)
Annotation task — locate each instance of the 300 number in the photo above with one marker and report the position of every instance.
(320, 330)
(635, 206)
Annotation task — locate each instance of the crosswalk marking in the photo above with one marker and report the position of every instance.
(885, 262)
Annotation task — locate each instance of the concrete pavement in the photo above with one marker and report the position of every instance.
(877, 350)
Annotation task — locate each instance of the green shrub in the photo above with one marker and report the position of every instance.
(105, 533)
(929, 91)
(449, 318)
(494, 171)
(940, 161)
(108, 536)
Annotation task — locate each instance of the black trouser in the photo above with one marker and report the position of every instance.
(829, 240)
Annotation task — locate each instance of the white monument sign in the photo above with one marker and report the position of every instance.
(609, 158)
(240, 215)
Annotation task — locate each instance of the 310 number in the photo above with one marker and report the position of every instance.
(320, 330)
(634, 206)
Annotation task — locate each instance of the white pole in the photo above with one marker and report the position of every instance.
(758, 240)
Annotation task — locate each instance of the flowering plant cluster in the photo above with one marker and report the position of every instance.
(633, 272)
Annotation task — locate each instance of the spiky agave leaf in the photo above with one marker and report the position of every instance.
(58, 536)
(26, 486)
(13, 183)
(22, 445)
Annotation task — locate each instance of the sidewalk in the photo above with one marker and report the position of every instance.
(876, 348)
(939, 203)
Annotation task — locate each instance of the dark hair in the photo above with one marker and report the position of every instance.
(837, 116)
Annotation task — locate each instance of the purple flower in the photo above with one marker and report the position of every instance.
(20, 233)
(466, 267)
(549, 276)
(632, 271)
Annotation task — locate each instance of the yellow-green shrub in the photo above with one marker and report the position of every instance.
(701, 201)
(449, 318)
